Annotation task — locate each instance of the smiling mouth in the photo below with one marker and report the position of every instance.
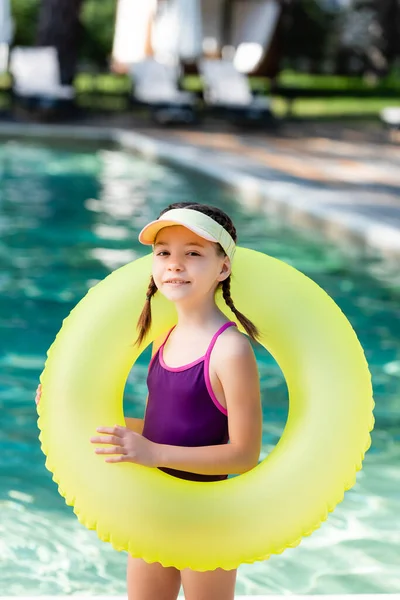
(176, 281)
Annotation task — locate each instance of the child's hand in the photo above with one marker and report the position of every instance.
(128, 446)
(38, 393)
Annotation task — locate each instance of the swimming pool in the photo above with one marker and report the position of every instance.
(70, 215)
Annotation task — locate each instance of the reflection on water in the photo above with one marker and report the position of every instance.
(68, 217)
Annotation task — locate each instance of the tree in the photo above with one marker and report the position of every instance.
(98, 23)
(59, 26)
(371, 30)
(308, 28)
(388, 14)
(25, 14)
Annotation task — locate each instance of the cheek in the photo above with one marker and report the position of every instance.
(156, 272)
(206, 272)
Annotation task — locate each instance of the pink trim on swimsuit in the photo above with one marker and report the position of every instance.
(158, 349)
(183, 367)
(207, 366)
(205, 358)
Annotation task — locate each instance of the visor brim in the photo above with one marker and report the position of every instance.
(149, 233)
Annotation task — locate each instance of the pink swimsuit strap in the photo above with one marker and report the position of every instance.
(215, 337)
(205, 357)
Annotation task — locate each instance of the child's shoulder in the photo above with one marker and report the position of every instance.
(232, 343)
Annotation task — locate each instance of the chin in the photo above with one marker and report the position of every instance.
(175, 294)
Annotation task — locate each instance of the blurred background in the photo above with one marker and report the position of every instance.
(298, 99)
(312, 57)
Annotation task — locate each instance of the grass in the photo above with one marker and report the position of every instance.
(5, 81)
(289, 78)
(333, 107)
(109, 92)
(106, 83)
(345, 106)
(340, 82)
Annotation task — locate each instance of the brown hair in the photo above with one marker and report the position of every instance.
(144, 321)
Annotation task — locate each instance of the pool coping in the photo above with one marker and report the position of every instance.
(251, 597)
(293, 202)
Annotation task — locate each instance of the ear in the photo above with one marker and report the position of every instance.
(225, 270)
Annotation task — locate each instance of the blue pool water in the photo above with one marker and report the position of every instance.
(68, 216)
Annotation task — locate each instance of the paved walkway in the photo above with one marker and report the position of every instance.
(342, 180)
(351, 188)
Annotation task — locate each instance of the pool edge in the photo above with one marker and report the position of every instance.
(281, 198)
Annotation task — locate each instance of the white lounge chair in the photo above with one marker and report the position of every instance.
(155, 85)
(7, 29)
(4, 52)
(36, 78)
(391, 116)
(227, 92)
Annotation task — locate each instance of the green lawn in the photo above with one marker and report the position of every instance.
(305, 80)
(109, 92)
(333, 107)
(107, 83)
(322, 107)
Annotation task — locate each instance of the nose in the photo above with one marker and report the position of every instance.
(175, 263)
(175, 266)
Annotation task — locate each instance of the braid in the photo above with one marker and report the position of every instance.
(248, 326)
(144, 321)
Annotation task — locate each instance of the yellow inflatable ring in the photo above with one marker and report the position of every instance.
(220, 524)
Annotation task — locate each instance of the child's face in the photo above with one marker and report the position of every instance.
(185, 265)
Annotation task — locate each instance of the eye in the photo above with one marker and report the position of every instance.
(193, 253)
(162, 253)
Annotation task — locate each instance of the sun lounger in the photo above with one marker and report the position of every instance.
(36, 79)
(391, 116)
(155, 86)
(4, 51)
(227, 93)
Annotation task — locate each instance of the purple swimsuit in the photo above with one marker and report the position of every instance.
(182, 409)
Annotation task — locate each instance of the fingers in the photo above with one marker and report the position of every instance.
(111, 450)
(38, 393)
(118, 459)
(111, 439)
(114, 437)
(116, 430)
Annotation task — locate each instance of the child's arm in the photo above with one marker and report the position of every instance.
(236, 368)
(135, 424)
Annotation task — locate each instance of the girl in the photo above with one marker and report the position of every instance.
(203, 383)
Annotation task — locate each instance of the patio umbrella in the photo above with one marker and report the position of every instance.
(189, 29)
(253, 26)
(6, 22)
(131, 35)
(6, 33)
